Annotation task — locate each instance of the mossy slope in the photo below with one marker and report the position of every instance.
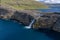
(23, 4)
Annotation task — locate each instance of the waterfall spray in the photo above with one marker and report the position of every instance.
(29, 26)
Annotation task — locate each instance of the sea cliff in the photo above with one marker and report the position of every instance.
(19, 16)
(43, 20)
(49, 21)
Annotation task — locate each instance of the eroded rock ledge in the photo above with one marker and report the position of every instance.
(49, 21)
(43, 20)
(20, 16)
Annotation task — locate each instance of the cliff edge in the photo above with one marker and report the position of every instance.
(43, 20)
(49, 21)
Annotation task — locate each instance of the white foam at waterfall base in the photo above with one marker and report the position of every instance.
(29, 26)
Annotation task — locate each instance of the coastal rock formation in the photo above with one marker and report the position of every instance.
(56, 26)
(21, 16)
(43, 20)
(48, 21)
(15, 15)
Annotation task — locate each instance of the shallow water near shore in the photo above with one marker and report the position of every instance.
(10, 30)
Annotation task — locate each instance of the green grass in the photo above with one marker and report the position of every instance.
(23, 4)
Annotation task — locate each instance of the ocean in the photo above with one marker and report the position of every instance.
(10, 30)
(51, 8)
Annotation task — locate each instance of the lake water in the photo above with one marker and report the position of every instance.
(10, 30)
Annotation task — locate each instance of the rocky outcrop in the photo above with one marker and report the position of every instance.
(17, 16)
(21, 16)
(48, 21)
(43, 20)
(56, 26)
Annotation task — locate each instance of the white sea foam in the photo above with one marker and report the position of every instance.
(27, 27)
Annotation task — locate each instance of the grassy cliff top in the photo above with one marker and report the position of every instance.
(23, 4)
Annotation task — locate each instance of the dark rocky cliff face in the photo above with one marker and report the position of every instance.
(6, 13)
(48, 21)
(22, 17)
(56, 26)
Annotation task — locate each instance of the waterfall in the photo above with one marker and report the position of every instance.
(29, 26)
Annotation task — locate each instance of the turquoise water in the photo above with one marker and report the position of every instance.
(10, 30)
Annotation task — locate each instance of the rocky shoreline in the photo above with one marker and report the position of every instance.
(48, 21)
(44, 20)
(15, 15)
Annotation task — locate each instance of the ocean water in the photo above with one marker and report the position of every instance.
(52, 8)
(10, 30)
